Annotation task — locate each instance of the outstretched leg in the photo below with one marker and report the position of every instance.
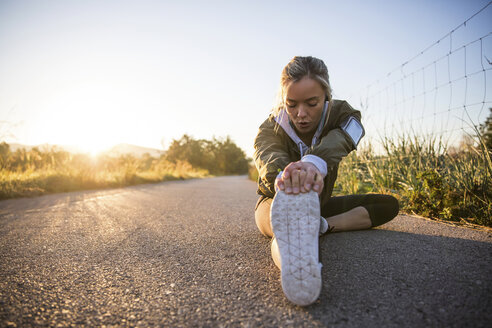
(294, 247)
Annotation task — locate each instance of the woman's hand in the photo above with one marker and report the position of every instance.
(300, 177)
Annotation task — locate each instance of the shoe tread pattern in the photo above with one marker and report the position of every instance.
(295, 223)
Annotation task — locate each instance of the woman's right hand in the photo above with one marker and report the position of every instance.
(300, 177)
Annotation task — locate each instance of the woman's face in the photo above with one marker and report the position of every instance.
(304, 102)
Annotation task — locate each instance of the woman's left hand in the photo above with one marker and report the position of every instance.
(300, 177)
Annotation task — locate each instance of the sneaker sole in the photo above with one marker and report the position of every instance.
(295, 224)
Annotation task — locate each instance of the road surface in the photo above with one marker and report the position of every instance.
(187, 253)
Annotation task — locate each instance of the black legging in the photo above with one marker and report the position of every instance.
(381, 208)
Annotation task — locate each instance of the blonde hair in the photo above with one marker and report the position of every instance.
(298, 68)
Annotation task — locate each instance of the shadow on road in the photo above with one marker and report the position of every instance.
(399, 278)
(371, 278)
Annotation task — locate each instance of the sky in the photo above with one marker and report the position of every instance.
(94, 74)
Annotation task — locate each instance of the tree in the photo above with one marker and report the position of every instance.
(190, 150)
(486, 131)
(229, 157)
(218, 156)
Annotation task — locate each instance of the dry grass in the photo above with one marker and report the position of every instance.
(35, 173)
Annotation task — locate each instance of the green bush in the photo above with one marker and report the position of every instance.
(218, 156)
(253, 173)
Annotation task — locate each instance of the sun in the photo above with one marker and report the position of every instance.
(94, 148)
(86, 133)
(91, 116)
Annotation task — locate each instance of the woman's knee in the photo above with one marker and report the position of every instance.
(262, 217)
(385, 210)
(395, 206)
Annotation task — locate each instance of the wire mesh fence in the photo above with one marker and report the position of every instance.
(443, 91)
(422, 120)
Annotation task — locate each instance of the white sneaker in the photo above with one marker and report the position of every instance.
(296, 225)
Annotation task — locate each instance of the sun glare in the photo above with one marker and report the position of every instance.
(93, 149)
(88, 118)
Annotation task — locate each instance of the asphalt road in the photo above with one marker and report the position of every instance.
(187, 253)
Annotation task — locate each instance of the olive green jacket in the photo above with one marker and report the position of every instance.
(275, 149)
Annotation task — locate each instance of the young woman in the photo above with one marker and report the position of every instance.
(297, 152)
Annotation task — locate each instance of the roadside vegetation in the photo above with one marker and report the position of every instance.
(426, 176)
(36, 172)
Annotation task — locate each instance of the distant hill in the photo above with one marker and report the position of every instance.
(118, 150)
(138, 151)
